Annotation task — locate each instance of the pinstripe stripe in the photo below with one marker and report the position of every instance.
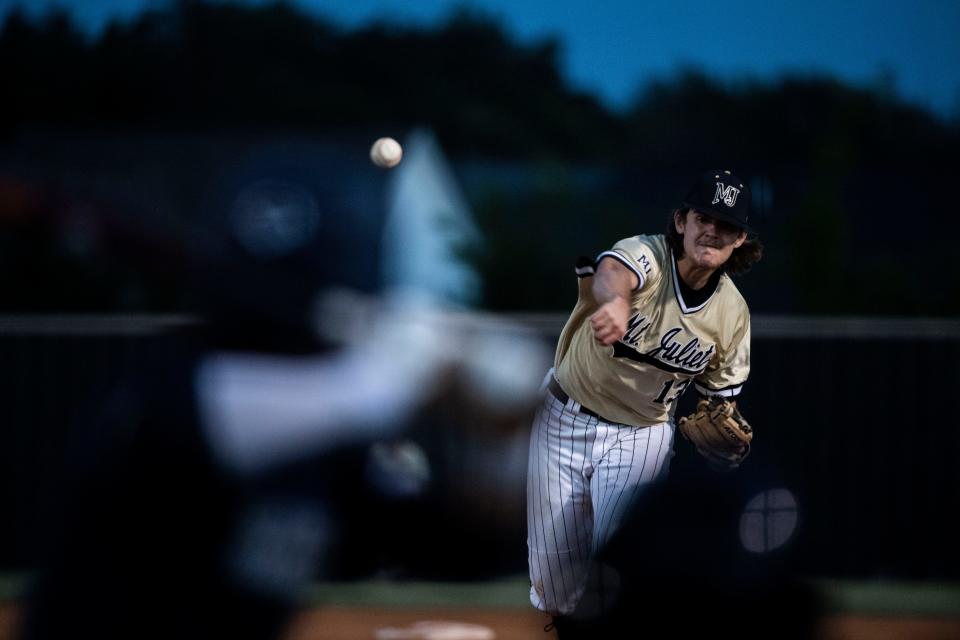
(546, 571)
(536, 521)
(609, 521)
(578, 541)
(559, 499)
(636, 487)
(663, 455)
(574, 494)
(597, 456)
(601, 538)
(551, 452)
(553, 530)
(661, 458)
(602, 501)
(549, 582)
(588, 443)
(533, 505)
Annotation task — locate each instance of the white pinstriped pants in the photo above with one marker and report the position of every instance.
(583, 475)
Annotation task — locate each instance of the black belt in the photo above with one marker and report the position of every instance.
(562, 396)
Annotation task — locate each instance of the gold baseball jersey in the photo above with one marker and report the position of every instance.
(668, 343)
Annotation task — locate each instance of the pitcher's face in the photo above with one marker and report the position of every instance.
(707, 242)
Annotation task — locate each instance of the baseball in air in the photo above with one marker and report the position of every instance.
(386, 152)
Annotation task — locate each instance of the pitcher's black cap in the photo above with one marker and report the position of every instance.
(722, 195)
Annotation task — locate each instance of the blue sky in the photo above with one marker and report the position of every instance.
(612, 47)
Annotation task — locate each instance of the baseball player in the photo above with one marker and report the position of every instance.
(204, 496)
(656, 314)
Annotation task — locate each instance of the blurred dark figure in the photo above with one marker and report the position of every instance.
(156, 537)
(721, 566)
(203, 498)
(178, 518)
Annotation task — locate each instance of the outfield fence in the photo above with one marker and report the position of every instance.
(852, 415)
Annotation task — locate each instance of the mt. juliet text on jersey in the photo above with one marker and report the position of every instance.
(688, 356)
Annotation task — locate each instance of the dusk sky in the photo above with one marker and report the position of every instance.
(613, 47)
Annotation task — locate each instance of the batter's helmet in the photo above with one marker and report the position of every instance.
(287, 221)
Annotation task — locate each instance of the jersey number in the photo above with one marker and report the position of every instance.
(681, 387)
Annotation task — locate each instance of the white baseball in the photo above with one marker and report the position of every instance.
(386, 152)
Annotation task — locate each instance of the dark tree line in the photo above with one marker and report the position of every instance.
(217, 64)
(855, 181)
(221, 65)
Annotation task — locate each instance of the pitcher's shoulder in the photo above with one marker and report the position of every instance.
(731, 296)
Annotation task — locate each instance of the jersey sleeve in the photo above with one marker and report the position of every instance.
(726, 375)
(638, 256)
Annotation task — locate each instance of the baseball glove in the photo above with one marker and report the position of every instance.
(719, 432)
